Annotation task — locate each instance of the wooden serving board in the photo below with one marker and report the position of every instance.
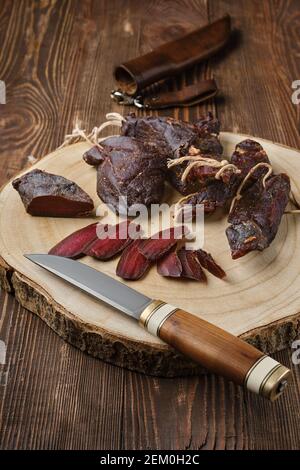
(259, 299)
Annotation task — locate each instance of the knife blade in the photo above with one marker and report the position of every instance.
(95, 283)
(205, 343)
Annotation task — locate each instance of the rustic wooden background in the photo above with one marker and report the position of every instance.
(57, 58)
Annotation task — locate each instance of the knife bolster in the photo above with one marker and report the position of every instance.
(216, 349)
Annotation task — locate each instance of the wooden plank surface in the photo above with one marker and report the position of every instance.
(56, 58)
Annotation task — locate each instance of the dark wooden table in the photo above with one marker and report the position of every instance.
(57, 58)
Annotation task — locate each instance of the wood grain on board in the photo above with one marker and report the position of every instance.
(258, 300)
(56, 58)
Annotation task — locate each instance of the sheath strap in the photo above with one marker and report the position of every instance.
(187, 96)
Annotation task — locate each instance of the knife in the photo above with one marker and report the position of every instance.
(212, 347)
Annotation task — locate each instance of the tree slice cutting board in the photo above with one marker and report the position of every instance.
(259, 299)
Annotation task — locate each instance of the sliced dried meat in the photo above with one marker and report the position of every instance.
(160, 243)
(49, 195)
(256, 216)
(207, 262)
(132, 173)
(132, 265)
(75, 244)
(110, 242)
(185, 263)
(170, 265)
(191, 267)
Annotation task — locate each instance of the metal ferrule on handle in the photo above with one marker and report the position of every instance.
(215, 349)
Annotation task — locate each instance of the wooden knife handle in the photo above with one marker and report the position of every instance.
(216, 349)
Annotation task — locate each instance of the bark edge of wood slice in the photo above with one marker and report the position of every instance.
(258, 301)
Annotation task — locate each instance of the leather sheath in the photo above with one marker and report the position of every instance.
(173, 57)
(187, 96)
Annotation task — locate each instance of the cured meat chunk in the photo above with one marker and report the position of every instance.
(93, 156)
(219, 193)
(247, 154)
(174, 138)
(215, 194)
(174, 135)
(46, 194)
(130, 169)
(169, 134)
(256, 216)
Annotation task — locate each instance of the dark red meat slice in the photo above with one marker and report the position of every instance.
(191, 268)
(46, 194)
(159, 244)
(207, 262)
(74, 245)
(169, 265)
(107, 245)
(132, 265)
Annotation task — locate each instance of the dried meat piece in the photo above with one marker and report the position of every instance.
(256, 216)
(93, 156)
(166, 132)
(191, 267)
(170, 265)
(174, 138)
(132, 173)
(207, 262)
(160, 243)
(215, 194)
(247, 154)
(219, 193)
(75, 244)
(110, 242)
(207, 125)
(199, 175)
(201, 169)
(174, 135)
(49, 195)
(132, 265)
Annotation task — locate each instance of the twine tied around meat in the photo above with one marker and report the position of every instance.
(239, 195)
(80, 135)
(196, 160)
